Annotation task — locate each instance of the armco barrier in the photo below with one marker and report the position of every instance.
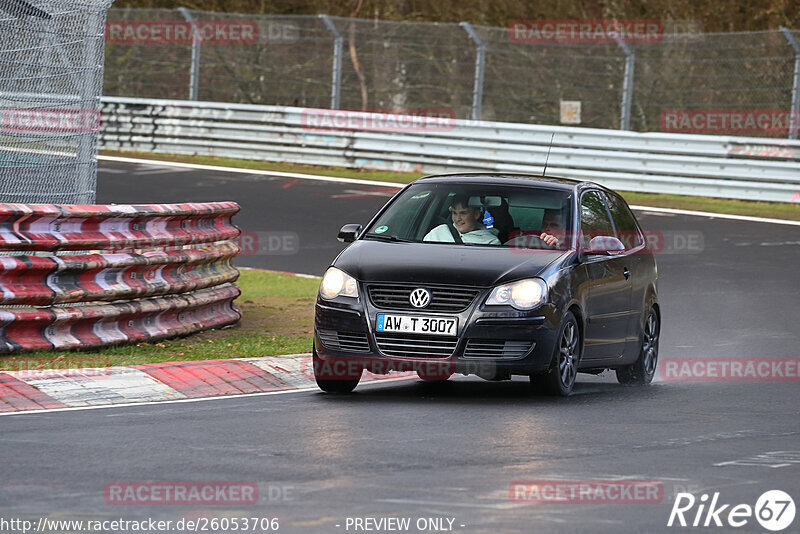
(130, 272)
(719, 166)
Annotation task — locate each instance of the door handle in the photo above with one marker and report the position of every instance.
(626, 273)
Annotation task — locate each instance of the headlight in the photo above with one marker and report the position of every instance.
(337, 283)
(522, 295)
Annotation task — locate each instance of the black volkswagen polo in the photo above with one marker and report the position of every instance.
(493, 275)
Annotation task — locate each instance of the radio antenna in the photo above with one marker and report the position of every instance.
(548, 154)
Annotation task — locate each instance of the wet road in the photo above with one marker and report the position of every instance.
(459, 451)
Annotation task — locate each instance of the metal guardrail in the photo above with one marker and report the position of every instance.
(130, 273)
(717, 166)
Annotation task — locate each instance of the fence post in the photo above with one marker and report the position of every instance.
(627, 86)
(795, 108)
(86, 154)
(194, 73)
(480, 62)
(336, 81)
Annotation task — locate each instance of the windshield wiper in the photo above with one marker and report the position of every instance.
(391, 238)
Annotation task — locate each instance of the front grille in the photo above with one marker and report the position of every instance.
(416, 346)
(344, 341)
(443, 299)
(488, 348)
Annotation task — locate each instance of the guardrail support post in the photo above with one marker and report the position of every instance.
(795, 108)
(627, 86)
(480, 62)
(338, 42)
(194, 73)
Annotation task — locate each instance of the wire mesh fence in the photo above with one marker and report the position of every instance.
(525, 82)
(51, 73)
(295, 61)
(734, 71)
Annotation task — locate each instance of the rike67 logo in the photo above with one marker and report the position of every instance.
(774, 510)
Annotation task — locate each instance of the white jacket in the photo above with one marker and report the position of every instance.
(483, 236)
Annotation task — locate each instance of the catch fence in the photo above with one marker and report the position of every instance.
(477, 72)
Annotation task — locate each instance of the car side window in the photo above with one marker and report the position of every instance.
(624, 221)
(594, 218)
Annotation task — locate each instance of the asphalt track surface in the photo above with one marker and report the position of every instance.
(409, 450)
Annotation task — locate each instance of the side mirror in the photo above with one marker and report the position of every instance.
(603, 244)
(349, 232)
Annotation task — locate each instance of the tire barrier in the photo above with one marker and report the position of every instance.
(37, 280)
(94, 325)
(90, 276)
(51, 228)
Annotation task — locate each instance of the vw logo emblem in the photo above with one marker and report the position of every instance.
(420, 298)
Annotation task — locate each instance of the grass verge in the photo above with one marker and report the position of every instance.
(277, 318)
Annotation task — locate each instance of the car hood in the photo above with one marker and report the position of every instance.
(376, 261)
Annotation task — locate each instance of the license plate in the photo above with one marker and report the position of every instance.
(410, 324)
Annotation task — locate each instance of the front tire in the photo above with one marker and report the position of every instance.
(643, 369)
(559, 379)
(330, 379)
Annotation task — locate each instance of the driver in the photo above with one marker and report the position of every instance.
(551, 227)
(467, 222)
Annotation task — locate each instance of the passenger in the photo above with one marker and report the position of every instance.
(552, 226)
(466, 220)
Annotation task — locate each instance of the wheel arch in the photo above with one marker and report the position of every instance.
(577, 312)
(651, 301)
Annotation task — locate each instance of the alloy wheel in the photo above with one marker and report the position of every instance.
(567, 359)
(650, 343)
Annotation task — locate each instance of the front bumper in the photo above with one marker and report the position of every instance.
(492, 342)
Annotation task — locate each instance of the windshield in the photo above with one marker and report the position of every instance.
(480, 215)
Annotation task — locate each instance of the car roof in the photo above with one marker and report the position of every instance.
(552, 182)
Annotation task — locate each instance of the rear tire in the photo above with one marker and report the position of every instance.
(330, 381)
(559, 379)
(643, 369)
